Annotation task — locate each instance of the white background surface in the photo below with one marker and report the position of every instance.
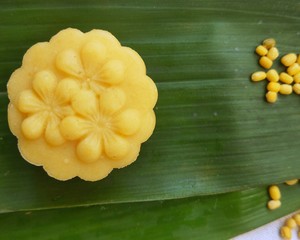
(269, 231)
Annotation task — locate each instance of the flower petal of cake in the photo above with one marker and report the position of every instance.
(44, 84)
(89, 149)
(115, 147)
(53, 135)
(128, 122)
(80, 100)
(66, 88)
(112, 72)
(29, 102)
(112, 100)
(69, 62)
(34, 126)
(93, 56)
(70, 123)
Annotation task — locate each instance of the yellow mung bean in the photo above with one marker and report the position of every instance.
(261, 50)
(274, 192)
(285, 78)
(265, 62)
(269, 43)
(291, 182)
(293, 69)
(285, 232)
(285, 89)
(274, 204)
(288, 59)
(298, 59)
(296, 78)
(258, 76)
(296, 88)
(273, 53)
(273, 86)
(297, 218)
(272, 75)
(291, 223)
(271, 97)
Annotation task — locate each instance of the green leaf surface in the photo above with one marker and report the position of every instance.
(209, 217)
(215, 133)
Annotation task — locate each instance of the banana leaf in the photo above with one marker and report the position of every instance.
(209, 217)
(215, 133)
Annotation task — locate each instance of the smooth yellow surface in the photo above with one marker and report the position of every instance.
(296, 88)
(274, 204)
(285, 232)
(258, 76)
(286, 78)
(291, 223)
(288, 59)
(81, 105)
(291, 182)
(297, 78)
(293, 69)
(273, 87)
(285, 89)
(273, 53)
(274, 192)
(272, 75)
(261, 50)
(269, 43)
(298, 59)
(271, 97)
(297, 218)
(265, 62)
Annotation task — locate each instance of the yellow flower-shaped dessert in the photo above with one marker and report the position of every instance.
(81, 105)
(45, 105)
(100, 127)
(91, 66)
